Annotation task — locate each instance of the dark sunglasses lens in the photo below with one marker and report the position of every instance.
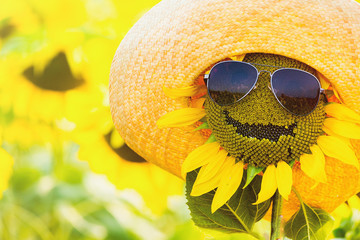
(230, 81)
(296, 90)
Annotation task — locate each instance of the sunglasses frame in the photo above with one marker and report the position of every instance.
(206, 79)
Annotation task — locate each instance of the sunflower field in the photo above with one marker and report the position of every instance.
(62, 174)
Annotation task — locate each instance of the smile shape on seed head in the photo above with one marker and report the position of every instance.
(260, 131)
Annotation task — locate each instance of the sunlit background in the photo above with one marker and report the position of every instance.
(60, 160)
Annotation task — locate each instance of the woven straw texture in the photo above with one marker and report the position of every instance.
(176, 41)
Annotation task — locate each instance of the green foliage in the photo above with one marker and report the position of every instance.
(186, 231)
(237, 215)
(349, 227)
(252, 171)
(211, 139)
(309, 223)
(63, 200)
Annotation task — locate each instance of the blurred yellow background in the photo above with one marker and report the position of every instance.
(61, 160)
(56, 126)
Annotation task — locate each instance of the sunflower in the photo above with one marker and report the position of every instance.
(104, 150)
(275, 142)
(54, 75)
(38, 65)
(47, 69)
(127, 170)
(175, 43)
(44, 56)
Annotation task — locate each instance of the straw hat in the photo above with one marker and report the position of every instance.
(176, 41)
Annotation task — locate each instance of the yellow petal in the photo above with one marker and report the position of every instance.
(331, 133)
(343, 128)
(115, 140)
(198, 103)
(184, 91)
(227, 187)
(313, 165)
(238, 58)
(336, 148)
(181, 117)
(284, 179)
(324, 82)
(199, 157)
(202, 188)
(6, 166)
(354, 202)
(341, 112)
(212, 168)
(268, 184)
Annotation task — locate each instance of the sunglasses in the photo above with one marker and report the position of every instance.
(297, 91)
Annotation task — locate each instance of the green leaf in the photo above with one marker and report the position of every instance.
(309, 223)
(252, 171)
(211, 139)
(291, 164)
(237, 215)
(204, 120)
(348, 228)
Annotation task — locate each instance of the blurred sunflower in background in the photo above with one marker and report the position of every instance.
(61, 83)
(55, 59)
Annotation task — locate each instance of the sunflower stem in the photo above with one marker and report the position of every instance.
(276, 216)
